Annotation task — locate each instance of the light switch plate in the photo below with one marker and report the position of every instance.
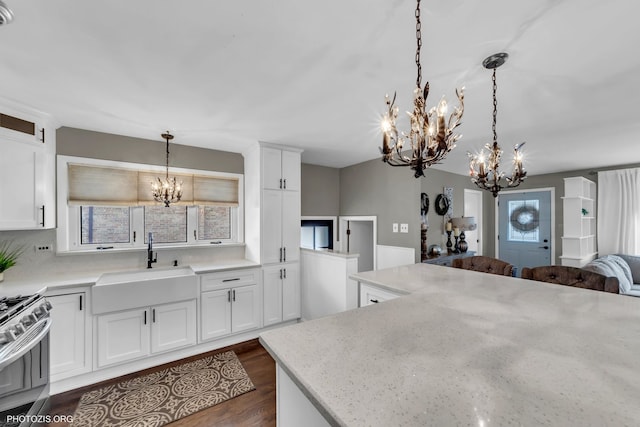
(395, 227)
(404, 228)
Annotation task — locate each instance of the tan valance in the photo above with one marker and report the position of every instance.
(97, 185)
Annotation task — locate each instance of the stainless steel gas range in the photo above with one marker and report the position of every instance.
(24, 360)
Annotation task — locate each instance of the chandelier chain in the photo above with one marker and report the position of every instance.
(495, 108)
(418, 45)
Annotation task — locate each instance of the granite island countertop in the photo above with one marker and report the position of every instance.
(469, 348)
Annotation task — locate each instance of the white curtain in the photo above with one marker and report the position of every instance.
(619, 212)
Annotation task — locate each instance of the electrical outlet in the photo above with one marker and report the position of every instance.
(404, 228)
(43, 247)
(395, 227)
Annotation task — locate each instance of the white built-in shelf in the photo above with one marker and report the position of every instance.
(579, 221)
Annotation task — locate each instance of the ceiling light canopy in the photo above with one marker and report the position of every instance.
(483, 169)
(431, 137)
(167, 190)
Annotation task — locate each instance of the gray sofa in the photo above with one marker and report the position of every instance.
(625, 267)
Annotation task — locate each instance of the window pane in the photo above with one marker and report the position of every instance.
(104, 224)
(168, 225)
(524, 221)
(214, 222)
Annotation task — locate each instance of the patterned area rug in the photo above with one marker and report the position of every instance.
(159, 398)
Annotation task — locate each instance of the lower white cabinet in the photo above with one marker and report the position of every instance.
(281, 293)
(131, 334)
(70, 349)
(230, 302)
(373, 295)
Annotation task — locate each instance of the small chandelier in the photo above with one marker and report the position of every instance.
(167, 190)
(485, 174)
(431, 137)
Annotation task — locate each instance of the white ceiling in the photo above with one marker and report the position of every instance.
(314, 74)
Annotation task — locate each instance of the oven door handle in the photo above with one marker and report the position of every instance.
(21, 346)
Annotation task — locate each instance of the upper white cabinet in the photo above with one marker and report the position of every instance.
(27, 168)
(280, 169)
(579, 221)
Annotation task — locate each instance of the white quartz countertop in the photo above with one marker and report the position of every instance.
(469, 348)
(331, 252)
(76, 279)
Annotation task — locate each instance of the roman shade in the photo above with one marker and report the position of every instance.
(110, 186)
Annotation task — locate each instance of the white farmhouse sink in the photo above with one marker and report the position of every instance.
(142, 288)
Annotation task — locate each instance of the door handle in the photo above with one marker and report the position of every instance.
(543, 247)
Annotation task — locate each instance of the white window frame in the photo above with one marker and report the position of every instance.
(69, 222)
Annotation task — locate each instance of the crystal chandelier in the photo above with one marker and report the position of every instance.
(484, 173)
(167, 190)
(431, 137)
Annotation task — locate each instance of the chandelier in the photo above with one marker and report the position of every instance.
(484, 173)
(431, 137)
(167, 190)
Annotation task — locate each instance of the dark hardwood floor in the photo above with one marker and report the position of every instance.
(256, 408)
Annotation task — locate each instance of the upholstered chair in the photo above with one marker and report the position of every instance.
(484, 264)
(572, 276)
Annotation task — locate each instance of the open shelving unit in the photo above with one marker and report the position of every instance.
(579, 220)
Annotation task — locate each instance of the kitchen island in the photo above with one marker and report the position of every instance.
(464, 348)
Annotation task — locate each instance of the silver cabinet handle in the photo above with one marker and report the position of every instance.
(231, 280)
(285, 272)
(284, 257)
(42, 209)
(234, 295)
(229, 295)
(285, 183)
(375, 301)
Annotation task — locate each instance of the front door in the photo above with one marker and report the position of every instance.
(524, 228)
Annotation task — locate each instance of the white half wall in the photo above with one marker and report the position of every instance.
(393, 256)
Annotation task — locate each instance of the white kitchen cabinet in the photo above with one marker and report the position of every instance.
(132, 334)
(579, 221)
(231, 302)
(281, 226)
(27, 170)
(374, 295)
(69, 336)
(280, 169)
(173, 326)
(281, 293)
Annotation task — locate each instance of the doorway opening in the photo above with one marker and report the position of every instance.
(358, 234)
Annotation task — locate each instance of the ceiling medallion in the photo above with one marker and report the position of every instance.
(431, 137)
(167, 190)
(484, 173)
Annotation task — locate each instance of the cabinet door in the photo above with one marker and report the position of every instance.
(272, 226)
(173, 326)
(291, 225)
(245, 308)
(68, 354)
(21, 166)
(123, 336)
(291, 170)
(271, 168)
(291, 292)
(272, 295)
(215, 314)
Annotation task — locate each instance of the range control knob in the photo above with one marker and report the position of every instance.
(19, 328)
(7, 336)
(47, 305)
(29, 319)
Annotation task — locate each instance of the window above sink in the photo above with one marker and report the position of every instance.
(92, 219)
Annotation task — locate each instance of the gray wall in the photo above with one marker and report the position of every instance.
(393, 195)
(320, 191)
(98, 145)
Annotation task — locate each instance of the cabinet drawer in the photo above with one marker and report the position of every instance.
(373, 295)
(228, 279)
